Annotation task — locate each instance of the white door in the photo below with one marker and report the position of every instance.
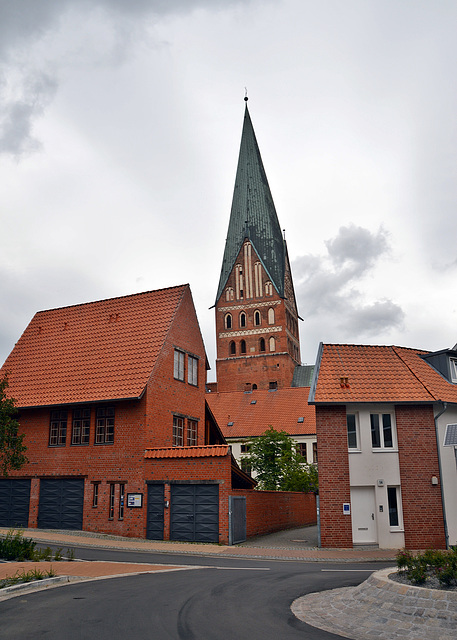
(364, 529)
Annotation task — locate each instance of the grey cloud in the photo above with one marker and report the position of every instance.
(17, 114)
(358, 246)
(24, 22)
(327, 286)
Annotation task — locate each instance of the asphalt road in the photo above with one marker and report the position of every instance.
(224, 599)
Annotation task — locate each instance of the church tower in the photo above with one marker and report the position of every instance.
(256, 311)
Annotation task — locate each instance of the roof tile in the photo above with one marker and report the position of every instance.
(103, 350)
(279, 409)
(202, 451)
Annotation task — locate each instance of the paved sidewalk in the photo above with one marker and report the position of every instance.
(291, 545)
(383, 609)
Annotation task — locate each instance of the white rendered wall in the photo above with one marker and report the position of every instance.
(449, 471)
(378, 468)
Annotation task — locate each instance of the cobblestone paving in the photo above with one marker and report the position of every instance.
(380, 609)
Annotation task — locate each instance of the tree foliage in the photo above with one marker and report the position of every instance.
(12, 447)
(278, 465)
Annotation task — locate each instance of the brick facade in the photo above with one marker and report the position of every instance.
(246, 355)
(334, 488)
(422, 507)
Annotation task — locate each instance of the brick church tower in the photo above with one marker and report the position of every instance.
(256, 312)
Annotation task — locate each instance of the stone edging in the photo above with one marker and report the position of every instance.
(382, 608)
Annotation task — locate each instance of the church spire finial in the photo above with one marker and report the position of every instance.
(246, 94)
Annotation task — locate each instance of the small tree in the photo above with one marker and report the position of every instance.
(12, 447)
(278, 465)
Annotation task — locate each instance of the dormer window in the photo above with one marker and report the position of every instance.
(453, 368)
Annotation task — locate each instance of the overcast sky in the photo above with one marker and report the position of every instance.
(120, 125)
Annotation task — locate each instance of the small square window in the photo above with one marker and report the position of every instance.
(453, 367)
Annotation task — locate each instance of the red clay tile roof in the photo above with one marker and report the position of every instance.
(103, 350)
(367, 373)
(202, 451)
(279, 409)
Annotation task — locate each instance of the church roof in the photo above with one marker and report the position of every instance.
(253, 215)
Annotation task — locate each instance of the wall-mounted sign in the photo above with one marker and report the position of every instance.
(134, 499)
(347, 508)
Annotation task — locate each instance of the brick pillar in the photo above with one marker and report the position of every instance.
(334, 487)
(418, 457)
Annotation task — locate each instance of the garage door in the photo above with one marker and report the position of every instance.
(194, 512)
(61, 504)
(154, 523)
(14, 502)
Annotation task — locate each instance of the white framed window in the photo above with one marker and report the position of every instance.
(382, 431)
(192, 370)
(257, 318)
(453, 367)
(192, 426)
(271, 316)
(178, 371)
(394, 506)
(178, 431)
(228, 321)
(272, 344)
(352, 431)
(242, 319)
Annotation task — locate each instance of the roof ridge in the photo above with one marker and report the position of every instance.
(129, 295)
(426, 387)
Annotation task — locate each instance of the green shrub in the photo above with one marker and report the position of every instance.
(15, 547)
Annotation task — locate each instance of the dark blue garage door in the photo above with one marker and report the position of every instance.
(194, 512)
(14, 502)
(61, 504)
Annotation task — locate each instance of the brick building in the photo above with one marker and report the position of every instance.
(121, 436)
(386, 421)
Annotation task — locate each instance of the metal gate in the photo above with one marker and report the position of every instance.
(155, 513)
(61, 503)
(14, 502)
(194, 512)
(237, 519)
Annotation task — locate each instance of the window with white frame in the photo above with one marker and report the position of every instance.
(393, 502)
(191, 433)
(382, 431)
(178, 431)
(104, 425)
(453, 367)
(178, 371)
(192, 370)
(351, 423)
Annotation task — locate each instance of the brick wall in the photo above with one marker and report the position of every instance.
(334, 488)
(269, 511)
(422, 509)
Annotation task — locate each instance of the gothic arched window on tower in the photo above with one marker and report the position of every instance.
(232, 348)
(242, 319)
(243, 346)
(228, 321)
(272, 343)
(271, 316)
(229, 294)
(257, 318)
(268, 289)
(262, 344)
(258, 279)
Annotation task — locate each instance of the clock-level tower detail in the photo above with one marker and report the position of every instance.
(256, 311)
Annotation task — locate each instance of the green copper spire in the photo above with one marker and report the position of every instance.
(253, 215)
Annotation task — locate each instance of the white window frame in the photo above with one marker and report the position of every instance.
(192, 370)
(357, 431)
(399, 526)
(178, 367)
(453, 368)
(382, 430)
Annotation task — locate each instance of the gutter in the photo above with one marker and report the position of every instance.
(443, 504)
